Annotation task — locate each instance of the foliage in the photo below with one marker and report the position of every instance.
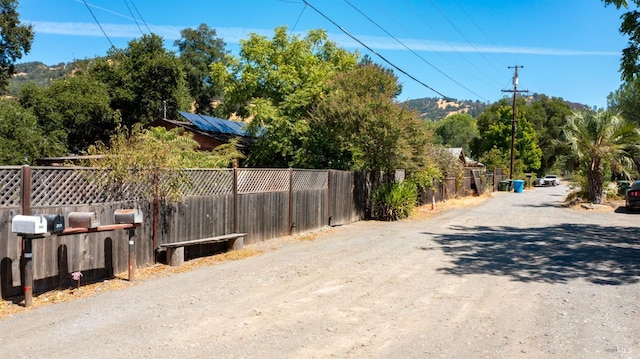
(600, 139)
(496, 158)
(74, 111)
(458, 130)
(141, 79)
(152, 156)
(425, 179)
(446, 163)
(395, 201)
(38, 73)
(275, 83)
(21, 139)
(15, 40)
(495, 132)
(630, 62)
(198, 49)
(357, 125)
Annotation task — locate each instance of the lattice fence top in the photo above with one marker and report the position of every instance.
(10, 184)
(207, 182)
(259, 180)
(305, 179)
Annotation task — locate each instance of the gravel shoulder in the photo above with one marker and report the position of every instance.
(517, 276)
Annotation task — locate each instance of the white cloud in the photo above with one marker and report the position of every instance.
(233, 35)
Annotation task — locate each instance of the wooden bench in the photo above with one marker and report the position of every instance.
(175, 251)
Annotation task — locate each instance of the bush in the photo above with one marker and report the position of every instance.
(395, 201)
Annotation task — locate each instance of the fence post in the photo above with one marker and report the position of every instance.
(329, 192)
(27, 250)
(235, 200)
(291, 224)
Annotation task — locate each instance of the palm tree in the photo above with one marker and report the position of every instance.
(599, 138)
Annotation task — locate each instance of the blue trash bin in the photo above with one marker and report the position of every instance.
(518, 185)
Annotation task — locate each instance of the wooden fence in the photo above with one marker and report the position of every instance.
(265, 203)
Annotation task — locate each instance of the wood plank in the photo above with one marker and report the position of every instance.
(204, 240)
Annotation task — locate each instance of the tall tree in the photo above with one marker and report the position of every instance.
(457, 130)
(198, 49)
(274, 84)
(74, 111)
(143, 79)
(21, 138)
(598, 139)
(357, 125)
(15, 40)
(630, 63)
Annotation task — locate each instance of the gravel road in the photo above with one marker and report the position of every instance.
(517, 276)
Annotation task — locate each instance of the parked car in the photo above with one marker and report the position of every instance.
(632, 198)
(548, 180)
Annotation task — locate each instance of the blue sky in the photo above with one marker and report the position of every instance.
(460, 48)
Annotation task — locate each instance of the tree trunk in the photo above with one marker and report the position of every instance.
(596, 180)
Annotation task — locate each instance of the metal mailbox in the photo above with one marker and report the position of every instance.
(29, 224)
(121, 216)
(55, 223)
(83, 220)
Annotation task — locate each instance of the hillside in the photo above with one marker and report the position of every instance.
(435, 109)
(38, 73)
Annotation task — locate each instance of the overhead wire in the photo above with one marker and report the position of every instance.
(98, 22)
(453, 48)
(140, 16)
(298, 19)
(463, 35)
(412, 51)
(133, 16)
(460, 68)
(373, 51)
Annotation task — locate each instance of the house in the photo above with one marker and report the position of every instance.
(210, 132)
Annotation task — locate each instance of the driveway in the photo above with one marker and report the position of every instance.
(517, 276)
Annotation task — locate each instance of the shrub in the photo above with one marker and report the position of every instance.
(395, 201)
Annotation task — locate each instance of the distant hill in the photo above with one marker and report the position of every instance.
(38, 73)
(435, 109)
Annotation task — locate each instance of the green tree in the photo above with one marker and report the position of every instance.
(15, 40)
(548, 116)
(495, 132)
(21, 139)
(457, 130)
(198, 49)
(600, 139)
(626, 101)
(274, 84)
(75, 111)
(142, 80)
(357, 125)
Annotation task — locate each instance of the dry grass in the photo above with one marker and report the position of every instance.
(426, 212)
(119, 281)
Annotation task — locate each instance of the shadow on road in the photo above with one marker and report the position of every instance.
(598, 254)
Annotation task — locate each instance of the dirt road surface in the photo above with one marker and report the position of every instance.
(517, 276)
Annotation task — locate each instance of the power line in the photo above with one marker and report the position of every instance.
(298, 19)
(140, 16)
(134, 18)
(413, 52)
(471, 63)
(462, 34)
(374, 52)
(98, 22)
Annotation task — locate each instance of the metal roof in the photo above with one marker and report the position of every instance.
(214, 124)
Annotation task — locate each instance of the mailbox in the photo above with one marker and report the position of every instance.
(83, 220)
(121, 216)
(55, 223)
(29, 224)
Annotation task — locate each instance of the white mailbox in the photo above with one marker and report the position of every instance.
(133, 216)
(29, 224)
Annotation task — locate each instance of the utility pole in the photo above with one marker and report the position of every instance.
(513, 119)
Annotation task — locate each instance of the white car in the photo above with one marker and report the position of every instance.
(549, 180)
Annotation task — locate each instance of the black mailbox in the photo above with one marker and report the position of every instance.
(55, 223)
